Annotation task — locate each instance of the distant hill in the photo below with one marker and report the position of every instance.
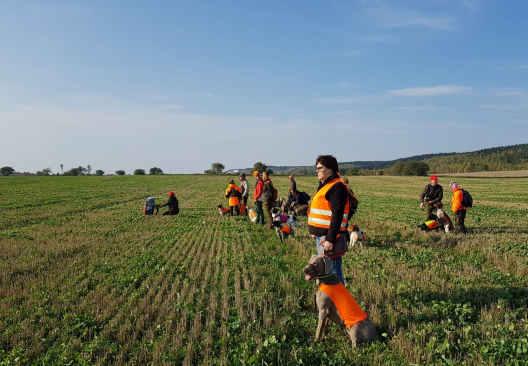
(513, 157)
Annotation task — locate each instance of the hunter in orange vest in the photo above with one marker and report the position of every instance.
(233, 194)
(457, 206)
(329, 213)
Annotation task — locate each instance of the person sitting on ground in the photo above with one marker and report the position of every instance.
(245, 193)
(297, 203)
(233, 193)
(431, 197)
(457, 207)
(172, 204)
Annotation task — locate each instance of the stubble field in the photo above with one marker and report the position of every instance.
(85, 278)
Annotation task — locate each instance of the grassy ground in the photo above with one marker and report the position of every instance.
(86, 279)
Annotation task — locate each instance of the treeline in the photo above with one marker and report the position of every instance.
(77, 171)
(218, 168)
(494, 159)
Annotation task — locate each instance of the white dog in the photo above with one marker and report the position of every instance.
(357, 236)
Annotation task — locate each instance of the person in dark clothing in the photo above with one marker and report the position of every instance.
(431, 197)
(172, 204)
(245, 193)
(328, 215)
(268, 198)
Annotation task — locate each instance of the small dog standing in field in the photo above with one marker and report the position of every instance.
(357, 236)
(284, 224)
(334, 302)
(223, 210)
(252, 214)
(440, 221)
(444, 220)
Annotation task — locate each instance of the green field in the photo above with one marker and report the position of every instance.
(86, 279)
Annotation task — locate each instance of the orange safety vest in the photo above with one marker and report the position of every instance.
(233, 200)
(286, 229)
(432, 224)
(456, 200)
(320, 213)
(349, 310)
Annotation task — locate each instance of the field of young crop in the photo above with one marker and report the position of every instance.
(86, 279)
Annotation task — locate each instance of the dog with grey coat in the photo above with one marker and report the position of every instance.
(319, 268)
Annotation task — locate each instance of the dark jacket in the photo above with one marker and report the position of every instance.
(267, 191)
(337, 196)
(172, 204)
(432, 195)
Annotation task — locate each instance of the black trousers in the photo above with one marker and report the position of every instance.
(460, 217)
(235, 211)
(260, 212)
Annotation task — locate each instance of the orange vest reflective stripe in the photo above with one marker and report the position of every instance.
(347, 307)
(320, 213)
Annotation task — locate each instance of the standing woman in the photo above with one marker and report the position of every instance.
(245, 193)
(328, 215)
(257, 196)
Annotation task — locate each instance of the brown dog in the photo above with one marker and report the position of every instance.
(330, 297)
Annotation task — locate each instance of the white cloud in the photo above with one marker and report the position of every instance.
(403, 18)
(431, 91)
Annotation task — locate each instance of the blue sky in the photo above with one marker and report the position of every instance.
(136, 84)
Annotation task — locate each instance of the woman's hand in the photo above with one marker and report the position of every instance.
(328, 245)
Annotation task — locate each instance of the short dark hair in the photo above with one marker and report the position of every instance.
(328, 161)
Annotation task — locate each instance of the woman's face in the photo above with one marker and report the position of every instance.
(322, 172)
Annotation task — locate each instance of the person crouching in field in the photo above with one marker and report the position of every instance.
(328, 214)
(150, 207)
(245, 193)
(172, 204)
(233, 194)
(257, 197)
(431, 197)
(457, 206)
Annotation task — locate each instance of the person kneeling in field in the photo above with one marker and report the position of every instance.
(431, 197)
(150, 207)
(172, 204)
